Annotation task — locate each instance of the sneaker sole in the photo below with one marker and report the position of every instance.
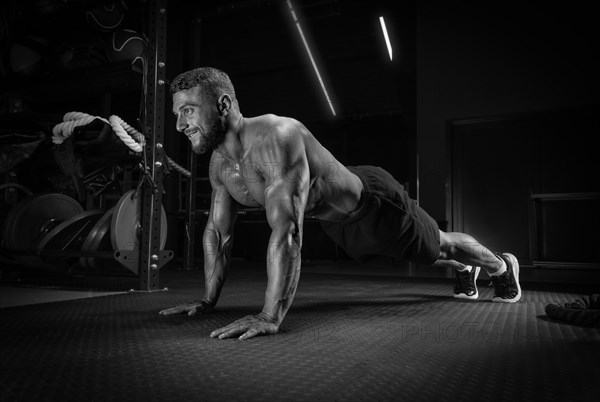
(515, 266)
(476, 295)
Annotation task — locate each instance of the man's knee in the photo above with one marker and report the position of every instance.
(446, 240)
(445, 246)
(451, 244)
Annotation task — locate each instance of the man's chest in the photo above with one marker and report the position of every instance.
(245, 183)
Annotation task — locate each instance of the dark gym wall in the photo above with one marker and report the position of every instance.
(541, 202)
(478, 59)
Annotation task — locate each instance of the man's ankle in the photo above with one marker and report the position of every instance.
(501, 270)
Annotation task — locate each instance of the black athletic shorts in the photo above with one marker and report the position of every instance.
(386, 223)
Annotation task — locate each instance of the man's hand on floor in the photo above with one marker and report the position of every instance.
(247, 327)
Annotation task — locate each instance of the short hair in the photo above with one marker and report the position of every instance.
(212, 82)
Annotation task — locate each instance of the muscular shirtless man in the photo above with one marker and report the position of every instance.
(275, 162)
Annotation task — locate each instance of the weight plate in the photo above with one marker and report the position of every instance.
(12, 194)
(125, 224)
(98, 239)
(10, 213)
(7, 222)
(12, 187)
(29, 220)
(68, 236)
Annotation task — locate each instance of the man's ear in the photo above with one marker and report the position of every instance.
(224, 104)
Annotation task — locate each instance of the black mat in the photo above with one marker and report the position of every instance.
(345, 338)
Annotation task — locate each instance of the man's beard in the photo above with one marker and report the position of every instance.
(210, 138)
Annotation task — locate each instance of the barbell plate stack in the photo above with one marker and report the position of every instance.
(32, 218)
(67, 236)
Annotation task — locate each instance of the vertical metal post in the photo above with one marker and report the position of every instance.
(150, 219)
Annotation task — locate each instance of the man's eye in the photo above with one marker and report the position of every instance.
(187, 111)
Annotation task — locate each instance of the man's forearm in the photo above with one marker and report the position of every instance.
(217, 253)
(283, 270)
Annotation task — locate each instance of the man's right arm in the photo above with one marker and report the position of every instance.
(217, 242)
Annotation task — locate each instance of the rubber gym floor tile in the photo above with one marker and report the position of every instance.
(346, 338)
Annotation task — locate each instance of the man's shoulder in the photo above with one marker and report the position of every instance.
(277, 124)
(274, 129)
(272, 118)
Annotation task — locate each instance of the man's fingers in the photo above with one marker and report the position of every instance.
(227, 332)
(230, 330)
(185, 308)
(218, 332)
(173, 310)
(245, 328)
(251, 333)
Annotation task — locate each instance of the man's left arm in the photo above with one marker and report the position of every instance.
(287, 180)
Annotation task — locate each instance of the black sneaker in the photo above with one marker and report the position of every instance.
(465, 284)
(506, 286)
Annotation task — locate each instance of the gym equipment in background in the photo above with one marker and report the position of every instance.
(125, 232)
(26, 55)
(66, 236)
(10, 195)
(81, 51)
(98, 240)
(52, 231)
(126, 133)
(106, 17)
(126, 44)
(125, 224)
(31, 219)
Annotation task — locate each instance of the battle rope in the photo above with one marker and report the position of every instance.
(129, 135)
(64, 130)
(121, 128)
(178, 167)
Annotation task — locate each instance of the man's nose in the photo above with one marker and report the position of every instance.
(181, 124)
